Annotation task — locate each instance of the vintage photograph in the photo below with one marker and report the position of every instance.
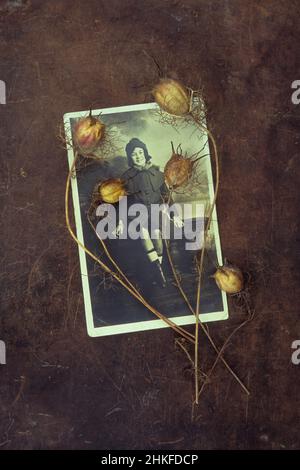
(150, 247)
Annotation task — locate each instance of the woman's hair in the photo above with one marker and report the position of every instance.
(132, 144)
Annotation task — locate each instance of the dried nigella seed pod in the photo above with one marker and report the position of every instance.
(88, 132)
(179, 168)
(229, 278)
(172, 97)
(112, 190)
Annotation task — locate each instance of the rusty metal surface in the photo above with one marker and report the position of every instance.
(61, 389)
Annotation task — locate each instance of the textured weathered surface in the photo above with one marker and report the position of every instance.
(61, 389)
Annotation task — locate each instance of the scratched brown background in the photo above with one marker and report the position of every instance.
(61, 389)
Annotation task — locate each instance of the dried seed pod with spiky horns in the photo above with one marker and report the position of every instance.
(179, 168)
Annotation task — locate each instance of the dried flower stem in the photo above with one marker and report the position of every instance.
(106, 268)
(250, 317)
(177, 280)
(219, 353)
(200, 265)
(201, 262)
(179, 343)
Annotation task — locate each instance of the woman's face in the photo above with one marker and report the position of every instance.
(138, 157)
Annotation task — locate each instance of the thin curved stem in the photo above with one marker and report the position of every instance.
(220, 353)
(200, 265)
(192, 310)
(200, 269)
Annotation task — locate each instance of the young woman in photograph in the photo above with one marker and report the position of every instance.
(146, 185)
